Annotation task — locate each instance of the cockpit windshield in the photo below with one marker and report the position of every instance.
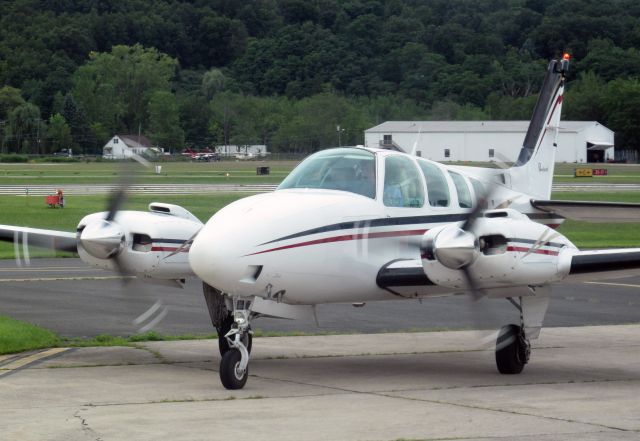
(345, 169)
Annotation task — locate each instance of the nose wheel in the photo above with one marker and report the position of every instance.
(234, 365)
(232, 375)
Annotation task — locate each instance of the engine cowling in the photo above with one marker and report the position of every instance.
(504, 248)
(144, 242)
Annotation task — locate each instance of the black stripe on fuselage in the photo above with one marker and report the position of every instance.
(380, 222)
(393, 221)
(155, 240)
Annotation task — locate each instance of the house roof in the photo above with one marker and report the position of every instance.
(470, 126)
(135, 141)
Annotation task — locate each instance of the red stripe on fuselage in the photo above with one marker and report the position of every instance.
(525, 249)
(168, 249)
(346, 237)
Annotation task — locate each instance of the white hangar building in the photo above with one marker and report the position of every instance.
(578, 141)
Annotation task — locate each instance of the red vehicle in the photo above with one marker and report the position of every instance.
(55, 201)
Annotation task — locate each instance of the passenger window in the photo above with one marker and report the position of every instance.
(464, 196)
(402, 184)
(437, 187)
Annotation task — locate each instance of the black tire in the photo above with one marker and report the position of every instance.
(228, 373)
(511, 350)
(223, 344)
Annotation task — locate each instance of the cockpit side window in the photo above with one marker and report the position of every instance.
(464, 196)
(437, 186)
(352, 170)
(402, 184)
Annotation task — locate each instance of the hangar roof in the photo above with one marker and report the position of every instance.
(471, 126)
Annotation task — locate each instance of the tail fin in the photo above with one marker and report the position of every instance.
(533, 171)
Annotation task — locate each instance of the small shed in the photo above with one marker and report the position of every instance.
(125, 146)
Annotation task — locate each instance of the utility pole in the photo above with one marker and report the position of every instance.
(38, 135)
(339, 130)
(2, 125)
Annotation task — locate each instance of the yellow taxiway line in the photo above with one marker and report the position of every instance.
(21, 362)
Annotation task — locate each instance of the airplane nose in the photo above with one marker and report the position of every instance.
(210, 260)
(217, 256)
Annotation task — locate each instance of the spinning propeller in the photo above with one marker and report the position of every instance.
(103, 239)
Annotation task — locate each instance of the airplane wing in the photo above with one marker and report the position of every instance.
(406, 277)
(51, 239)
(610, 212)
(604, 264)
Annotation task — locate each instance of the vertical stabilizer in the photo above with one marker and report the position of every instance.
(533, 171)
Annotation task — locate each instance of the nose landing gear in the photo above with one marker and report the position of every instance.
(234, 366)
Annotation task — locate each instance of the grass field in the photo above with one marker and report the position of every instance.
(240, 172)
(17, 336)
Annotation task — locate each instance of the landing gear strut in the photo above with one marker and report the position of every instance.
(234, 366)
(512, 346)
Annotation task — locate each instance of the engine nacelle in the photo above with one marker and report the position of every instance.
(512, 251)
(148, 239)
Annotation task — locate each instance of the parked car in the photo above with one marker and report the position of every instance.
(64, 152)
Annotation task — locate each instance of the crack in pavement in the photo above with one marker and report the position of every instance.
(85, 426)
(468, 406)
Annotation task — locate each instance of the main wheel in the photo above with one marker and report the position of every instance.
(223, 344)
(512, 351)
(230, 376)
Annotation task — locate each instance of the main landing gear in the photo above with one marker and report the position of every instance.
(512, 345)
(512, 350)
(236, 347)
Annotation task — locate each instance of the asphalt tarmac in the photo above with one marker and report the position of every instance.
(68, 297)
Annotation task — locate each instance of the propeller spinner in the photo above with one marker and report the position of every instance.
(102, 239)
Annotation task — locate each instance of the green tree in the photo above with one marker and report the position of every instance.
(213, 82)
(83, 138)
(585, 98)
(115, 88)
(25, 129)
(10, 98)
(164, 121)
(58, 133)
(622, 106)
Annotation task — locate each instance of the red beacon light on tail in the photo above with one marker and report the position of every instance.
(564, 64)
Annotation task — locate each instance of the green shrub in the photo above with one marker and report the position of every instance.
(56, 159)
(12, 157)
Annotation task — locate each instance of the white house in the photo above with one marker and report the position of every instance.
(578, 141)
(125, 146)
(242, 151)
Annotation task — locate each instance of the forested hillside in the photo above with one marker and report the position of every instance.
(287, 73)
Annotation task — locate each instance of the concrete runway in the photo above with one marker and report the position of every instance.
(581, 384)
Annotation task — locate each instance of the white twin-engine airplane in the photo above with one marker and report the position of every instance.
(353, 225)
